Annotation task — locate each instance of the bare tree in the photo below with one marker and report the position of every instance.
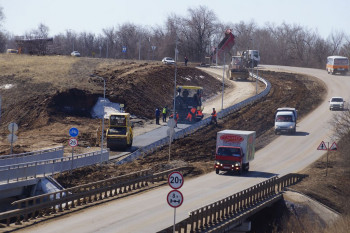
(201, 24)
(336, 39)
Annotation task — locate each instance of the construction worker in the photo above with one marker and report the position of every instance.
(175, 119)
(191, 114)
(199, 115)
(213, 117)
(165, 112)
(157, 116)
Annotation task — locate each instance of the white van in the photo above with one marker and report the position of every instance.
(286, 120)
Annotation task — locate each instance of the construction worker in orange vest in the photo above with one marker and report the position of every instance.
(175, 119)
(199, 115)
(213, 117)
(191, 114)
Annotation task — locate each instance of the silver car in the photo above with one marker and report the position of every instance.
(168, 61)
(75, 54)
(336, 103)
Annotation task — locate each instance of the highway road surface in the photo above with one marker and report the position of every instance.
(149, 211)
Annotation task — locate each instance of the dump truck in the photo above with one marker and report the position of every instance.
(119, 133)
(188, 104)
(224, 46)
(286, 120)
(234, 150)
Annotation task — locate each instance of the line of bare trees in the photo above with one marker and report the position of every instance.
(196, 34)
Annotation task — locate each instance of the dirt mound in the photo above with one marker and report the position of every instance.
(46, 107)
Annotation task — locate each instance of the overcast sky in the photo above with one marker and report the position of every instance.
(22, 16)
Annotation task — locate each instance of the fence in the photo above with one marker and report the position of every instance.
(191, 129)
(24, 171)
(51, 203)
(233, 210)
(52, 153)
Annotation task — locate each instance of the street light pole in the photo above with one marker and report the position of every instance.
(174, 115)
(223, 83)
(103, 114)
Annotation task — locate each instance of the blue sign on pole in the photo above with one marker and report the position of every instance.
(73, 132)
(124, 49)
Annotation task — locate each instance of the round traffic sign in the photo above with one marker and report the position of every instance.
(12, 138)
(13, 126)
(73, 132)
(175, 180)
(73, 142)
(171, 123)
(175, 198)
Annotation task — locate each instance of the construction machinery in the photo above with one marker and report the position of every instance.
(224, 46)
(242, 62)
(188, 104)
(119, 132)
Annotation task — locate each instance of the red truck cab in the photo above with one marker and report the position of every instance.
(228, 158)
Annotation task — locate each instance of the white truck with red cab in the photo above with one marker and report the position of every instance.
(234, 150)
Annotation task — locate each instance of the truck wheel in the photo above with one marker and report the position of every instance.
(217, 171)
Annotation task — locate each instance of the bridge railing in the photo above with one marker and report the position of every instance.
(30, 170)
(51, 153)
(234, 209)
(193, 128)
(51, 203)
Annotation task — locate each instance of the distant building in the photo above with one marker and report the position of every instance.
(34, 46)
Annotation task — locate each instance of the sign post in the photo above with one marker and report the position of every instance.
(323, 146)
(73, 142)
(12, 127)
(175, 197)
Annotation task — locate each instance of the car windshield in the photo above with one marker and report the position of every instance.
(337, 100)
(284, 118)
(227, 151)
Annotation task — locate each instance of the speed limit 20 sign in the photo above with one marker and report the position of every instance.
(175, 180)
(73, 142)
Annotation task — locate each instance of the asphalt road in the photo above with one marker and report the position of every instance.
(149, 211)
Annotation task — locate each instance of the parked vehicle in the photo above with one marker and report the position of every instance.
(119, 133)
(252, 57)
(12, 51)
(75, 54)
(337, 64)
(168, 61)
(286, 120)
(234, 150)
(336, 103)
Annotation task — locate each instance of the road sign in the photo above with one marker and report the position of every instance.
(124, 49)
(171, 123)
(73, 142)
(322, 146)
(175, 180)
(13, 127)
(12, 138)
(175, 198)
(73, 132)
(333, 146)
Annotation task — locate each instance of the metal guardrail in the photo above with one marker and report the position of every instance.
(233, 210)
(25, 171)
(191, 129)
(52, 153)
(51, 203)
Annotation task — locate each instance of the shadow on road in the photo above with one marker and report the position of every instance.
(253, 174)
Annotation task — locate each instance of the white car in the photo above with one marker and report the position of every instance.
(168, 61)
(336, 103)
(75, 54)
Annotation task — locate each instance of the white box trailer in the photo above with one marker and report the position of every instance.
(234, 150)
